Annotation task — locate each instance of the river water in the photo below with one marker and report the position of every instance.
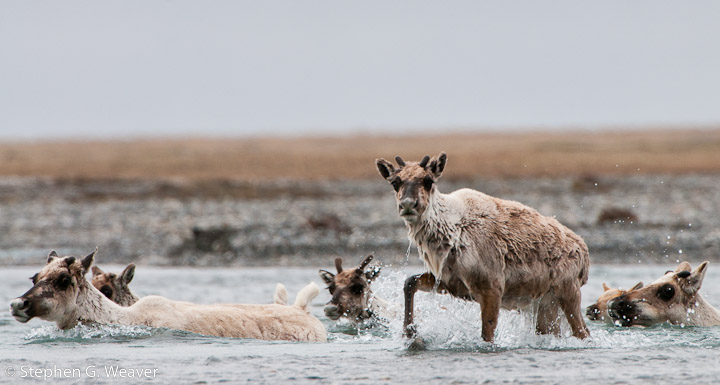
(38, 352)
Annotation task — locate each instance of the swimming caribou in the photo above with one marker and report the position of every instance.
(352, 297)
(672, 298)
(496, 252)
(116, 288)
(598, 310)
(61, 294)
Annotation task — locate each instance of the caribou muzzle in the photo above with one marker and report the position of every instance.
(622, 311)
(332, 311)
(21, 309)
(407, 207)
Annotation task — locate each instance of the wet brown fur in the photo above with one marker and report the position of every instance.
(652, 304)
(352, 296)
(114, 286)
(598, 310)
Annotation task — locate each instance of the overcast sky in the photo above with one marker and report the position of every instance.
(133, 68)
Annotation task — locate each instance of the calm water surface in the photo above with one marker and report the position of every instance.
(455, 354)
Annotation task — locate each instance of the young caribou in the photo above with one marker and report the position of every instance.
(351, 294)
(61, 294)
(497, 252)
(598, 310)
(672, 298)
(115, 287)
(117, 290)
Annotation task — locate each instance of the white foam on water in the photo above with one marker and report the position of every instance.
(88, 332)
(447, 323)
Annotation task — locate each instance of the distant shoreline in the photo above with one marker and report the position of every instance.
(472, 155)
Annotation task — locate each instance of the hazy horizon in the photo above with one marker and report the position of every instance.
(130, 69)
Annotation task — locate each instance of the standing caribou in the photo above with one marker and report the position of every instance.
(497, 252)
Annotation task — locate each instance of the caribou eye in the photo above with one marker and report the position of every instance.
(357, 289)
(396, 183)
(666, 292)
(427, 183)
(63, 282)
(107, 291)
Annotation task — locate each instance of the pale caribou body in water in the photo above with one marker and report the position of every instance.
(117, 287)
(61, 294)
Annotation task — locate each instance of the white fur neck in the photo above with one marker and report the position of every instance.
(701, 313)
(439, 219)
(91, 306)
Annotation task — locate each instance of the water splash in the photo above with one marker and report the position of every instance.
(407, 253)
(89, 333)
(447, 323)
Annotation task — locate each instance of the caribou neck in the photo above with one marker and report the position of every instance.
(94, 307)
(434, 234)
(703, 313)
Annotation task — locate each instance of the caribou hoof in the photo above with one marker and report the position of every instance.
(410, 331)
(417, 345)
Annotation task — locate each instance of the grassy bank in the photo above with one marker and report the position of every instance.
(470, 155)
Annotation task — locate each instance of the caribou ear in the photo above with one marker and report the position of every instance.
(437, 165)
(88, 261)
(373, 273)
(384, 167)
(637, 286)
(53, 254)
(365, 262)
(338, 264)
(97, 271)
(361, 268)
(694, 281)
(605, 287)
(327, 276)
(128, 274)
